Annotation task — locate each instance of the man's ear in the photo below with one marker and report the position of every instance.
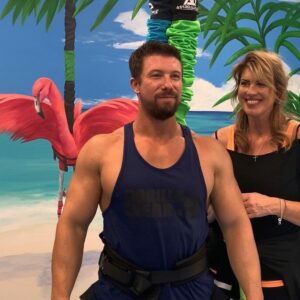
(135, 85)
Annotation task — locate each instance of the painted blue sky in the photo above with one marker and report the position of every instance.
(29, 52)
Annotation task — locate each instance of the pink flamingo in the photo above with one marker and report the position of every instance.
(42, 116)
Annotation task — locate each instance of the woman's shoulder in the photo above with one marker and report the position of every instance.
(225, 134)
(293, 129)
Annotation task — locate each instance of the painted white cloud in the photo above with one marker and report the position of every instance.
(206, 94)
(201, 53)
(294, 81)
(138, 25)
(88, 103)
(294, 84)
(129, 45)
(88, 42)
(98, 37)
(296, 1)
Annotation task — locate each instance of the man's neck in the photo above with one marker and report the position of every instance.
(156, 129)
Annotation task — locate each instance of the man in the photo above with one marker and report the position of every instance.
(153, 180)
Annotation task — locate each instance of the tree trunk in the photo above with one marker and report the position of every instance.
(69, 89)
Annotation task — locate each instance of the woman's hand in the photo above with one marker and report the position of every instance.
(258, 205)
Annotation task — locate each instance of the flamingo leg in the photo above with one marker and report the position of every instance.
(61, 192)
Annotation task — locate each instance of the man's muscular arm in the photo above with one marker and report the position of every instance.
(236, 227)
(81, 205)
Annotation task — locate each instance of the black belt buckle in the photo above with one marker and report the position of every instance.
(140, 281)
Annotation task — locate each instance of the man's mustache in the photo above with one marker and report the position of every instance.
(167, 95)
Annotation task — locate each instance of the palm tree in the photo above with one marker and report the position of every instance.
(23, 9)
(108, 6)
(225, 22)
(48, 9)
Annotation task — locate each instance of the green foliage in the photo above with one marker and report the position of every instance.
(109, 5)
(226, 97)
(23, 9)
(137, 7)
(10, 5)
(293, 105)
(48, 8)
(104, 12)
(226, 22)
(82, 5)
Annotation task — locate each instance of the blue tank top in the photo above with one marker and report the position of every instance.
(158, 216)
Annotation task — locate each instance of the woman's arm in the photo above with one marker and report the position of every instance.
(258, 205)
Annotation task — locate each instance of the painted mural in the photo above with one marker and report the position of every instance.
(83, 47)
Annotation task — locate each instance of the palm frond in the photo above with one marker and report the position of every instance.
(82, 5)
(104, 12)
(245, 16)
(292, 106)
(53, 5)
(270, 8)
(137, 7)
(291, 47)
(8, 8)
(213, 13)
(223, 99)
(27, 10)
(282, 38)
(282, 23)
(17, 11)
(61, 5)
(242, 52)
(230, 18)
(295, 71)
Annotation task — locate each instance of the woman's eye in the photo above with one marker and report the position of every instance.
(261, 84)
(244, 83)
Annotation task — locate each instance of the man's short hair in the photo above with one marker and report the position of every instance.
(147, 49)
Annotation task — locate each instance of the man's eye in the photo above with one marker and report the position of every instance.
(155, 75)
(176, 77)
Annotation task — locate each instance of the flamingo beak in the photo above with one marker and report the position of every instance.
(38, 108)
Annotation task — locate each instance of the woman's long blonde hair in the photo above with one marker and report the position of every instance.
(268, 68)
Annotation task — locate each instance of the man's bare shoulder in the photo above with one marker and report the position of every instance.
(207, 143)
(102, 143)
(106, 139)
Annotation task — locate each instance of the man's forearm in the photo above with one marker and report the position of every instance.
(66, 260)
(244, 259)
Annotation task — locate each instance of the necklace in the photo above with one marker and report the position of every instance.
(255, 157)
(260, 149)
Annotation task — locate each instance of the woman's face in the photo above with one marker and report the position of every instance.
(256, 99)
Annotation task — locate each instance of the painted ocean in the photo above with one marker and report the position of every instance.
(29, 175)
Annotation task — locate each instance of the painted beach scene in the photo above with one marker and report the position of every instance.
(36, 44)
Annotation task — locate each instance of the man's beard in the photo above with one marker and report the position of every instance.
(161, 111)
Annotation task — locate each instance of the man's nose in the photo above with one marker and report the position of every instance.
(167, 82)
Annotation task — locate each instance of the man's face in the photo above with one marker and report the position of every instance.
(159, 87)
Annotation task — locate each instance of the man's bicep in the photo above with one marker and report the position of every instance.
(84, 191)
(226, 196)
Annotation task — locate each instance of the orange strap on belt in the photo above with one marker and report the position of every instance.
(271, 283)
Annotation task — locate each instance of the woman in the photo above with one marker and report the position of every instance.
(264, 146)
